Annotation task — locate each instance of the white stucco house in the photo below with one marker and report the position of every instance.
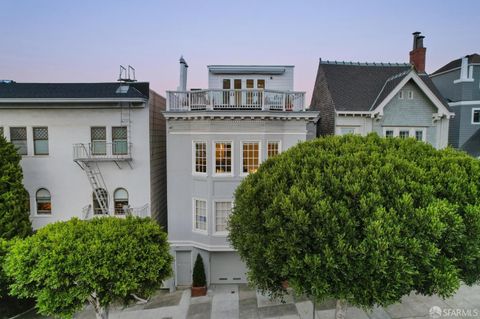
(88, 148)
(216, 137)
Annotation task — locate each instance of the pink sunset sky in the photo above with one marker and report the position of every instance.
(86, 41)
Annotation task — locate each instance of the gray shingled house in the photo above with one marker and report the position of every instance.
(391, 99)
(459, 82)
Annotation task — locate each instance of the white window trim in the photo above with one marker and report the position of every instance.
(279, 143)
(214, 159)
(473, 111)
(35, 208)
(214, 218)
(194, 172)
(411, 131)
(355, 129)
(400, 94)
(241, 154)
(195, 230)
(410, 94)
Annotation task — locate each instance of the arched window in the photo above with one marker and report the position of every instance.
(97, 208)
(120, 198)
(44, 202)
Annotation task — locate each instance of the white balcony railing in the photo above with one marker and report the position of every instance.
(249, 99)
(102, 151)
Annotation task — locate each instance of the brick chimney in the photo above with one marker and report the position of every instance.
(418, 53)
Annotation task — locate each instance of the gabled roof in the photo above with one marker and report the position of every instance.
(106, 90)
(356, 86)
(472, 58)
(363, 87)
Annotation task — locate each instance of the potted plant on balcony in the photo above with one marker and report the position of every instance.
(199, 285)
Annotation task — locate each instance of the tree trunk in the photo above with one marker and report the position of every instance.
(341, 309)
(102, 313)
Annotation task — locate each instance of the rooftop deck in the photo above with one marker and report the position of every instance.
(229, 100)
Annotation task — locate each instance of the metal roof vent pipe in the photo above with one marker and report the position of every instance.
(183, 75)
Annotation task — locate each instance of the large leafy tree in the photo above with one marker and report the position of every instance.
(14, 211)
(364, 220)
(66, 264)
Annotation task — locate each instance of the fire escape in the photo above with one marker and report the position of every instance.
(88, 156)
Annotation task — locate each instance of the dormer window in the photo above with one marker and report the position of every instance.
(400, 95)
(410, 95)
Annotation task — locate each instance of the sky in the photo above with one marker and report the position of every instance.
(87, 40)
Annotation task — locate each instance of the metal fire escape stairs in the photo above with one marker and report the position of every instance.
(89, 164)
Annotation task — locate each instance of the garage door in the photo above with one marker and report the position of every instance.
(226, 267)
(183, 263)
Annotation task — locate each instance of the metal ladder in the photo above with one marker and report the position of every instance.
(97, 182)
(125, 120)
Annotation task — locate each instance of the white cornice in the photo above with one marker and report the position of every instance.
(243, 115)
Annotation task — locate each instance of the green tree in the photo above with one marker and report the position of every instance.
(14, 211)
(199, 279)
(363, 220)
(66, 264)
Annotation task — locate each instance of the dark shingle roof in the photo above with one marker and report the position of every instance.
(472, 58)
(363, 86)
(104, 90)
(356, 86)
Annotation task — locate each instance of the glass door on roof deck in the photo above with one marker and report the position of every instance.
(226, 94)
(237, 85)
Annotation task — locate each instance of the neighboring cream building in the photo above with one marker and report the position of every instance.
(88, 148)
(216, 137)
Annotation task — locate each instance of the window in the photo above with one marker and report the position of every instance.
(260, 84)
(222, 212)
(223, 157)
(410, 95)
(1, 132)
(251, 159)
(120, 201)
(200, 214)
(40, 140)
(44, 202)
(119, 140)
(400, 94)
(99, 140)
(97, 207)
(419, 135)
(18, 137)
(200, 151)
(249, 83)
(347, 130)
(273, 148)
(403, 133)
(475, 116)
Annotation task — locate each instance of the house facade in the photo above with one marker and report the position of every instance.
(459, 82)
(216, 137)
(390, 99)
(88, 148)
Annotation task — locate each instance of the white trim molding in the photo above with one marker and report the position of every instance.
(461, 103)
(214, 159)
(185, 243)
(412, 75)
